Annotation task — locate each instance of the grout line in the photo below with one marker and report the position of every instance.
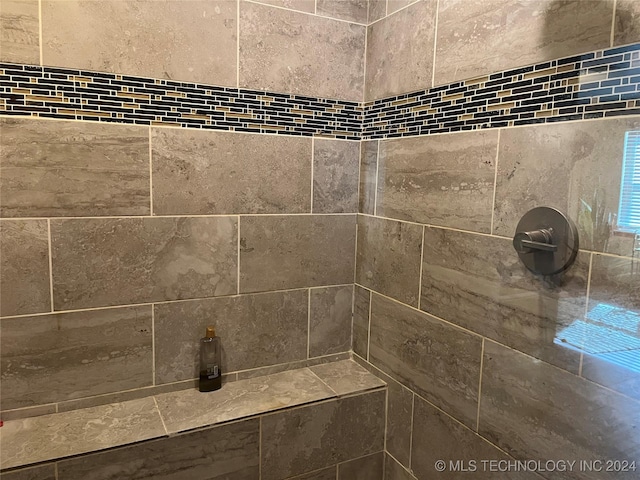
(413, 410)
(159, 414)
(220, 215)
(586, 312)
(337, 471)
(386, 419)
(50, 266)
(55, 470)
(421, 268)
(364, 68)
(368, 10)
(401, 466)
(260, 447)
(40, 42)
(435, 45)
(313, 158)
(150, 176)
(375, 193)
(315, 7)
(153, 345)
(308, 322)
(314, 13)
(359, 175)
(238, 44)
(480, 386)
(238, 257)
(369, 327)
(386, 8)
(613, 24)
(495, 183)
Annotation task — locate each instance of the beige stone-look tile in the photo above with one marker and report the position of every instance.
(399, 419)
(377, 10)
(101, 262)
(330, 320)
(436, 436)
(224, 452)
(436, 360)
(479, 283)
(254, 330)
(350, 10)
(57, 357)
(335, 176)
(280, 252)
(368, 172)
(370, 467)
(575, 165)
(612, 339)
(360, 331)
(44, 472)
(443, 180)
(49, 437)
(316, 436)
(389, 258)
(626, 27)
(286, 51)
(73, 169)
(395, 5)
(191, 41)
(24, 267)
(189, 409)
(19, 31)
(208, 172)
(346, 377)
(394, 471)
(477, 37)
(328, 473)
(283, 367)
(27, 412)
(533, 410)
(400, 52)
(308, 6)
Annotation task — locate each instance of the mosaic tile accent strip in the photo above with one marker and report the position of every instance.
(599, 84)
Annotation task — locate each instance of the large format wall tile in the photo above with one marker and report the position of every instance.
(377, 10)
(24, 267)
(219, 172)
(395, 5)
(229, 452)
(46, 472)
(533, 410)
(308, 6)
(400, 52)
(361, 300)
(626, 28)
(440, 180)
(330, 320)
(292, 52)
(254, 330)
(368, 172)
(19, 35)
(73, 169)
(389, 257)
(296, 251)
(479, 283)
(576, 166)
(477, 37)
(350, 10)
(335, 176)
(612, 339)
(370, 467)
(99, 262)
(436, 360)
(193, 41)
(51, 358)
(394, 471)
(399, 421)
(328, 473)
(317, 436)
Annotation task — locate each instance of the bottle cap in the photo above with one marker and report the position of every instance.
(211, 332)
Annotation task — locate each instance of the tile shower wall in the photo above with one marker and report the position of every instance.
(120, 243)
(484, 360)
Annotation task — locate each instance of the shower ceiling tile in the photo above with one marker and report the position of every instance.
(389, 257)
(73, 169)
(576, 169)
(24, 267)
(292, 52)
(191, 41)
(439, 180)
(101, 262)
(479, 283)
(436, 360)
(197, 172)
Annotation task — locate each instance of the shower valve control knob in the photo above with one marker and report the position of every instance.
(536, 240)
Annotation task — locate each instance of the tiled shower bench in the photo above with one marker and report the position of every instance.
(327, 419)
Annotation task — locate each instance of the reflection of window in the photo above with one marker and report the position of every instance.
(629, 210)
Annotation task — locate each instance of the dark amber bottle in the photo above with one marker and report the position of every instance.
(210, 353)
